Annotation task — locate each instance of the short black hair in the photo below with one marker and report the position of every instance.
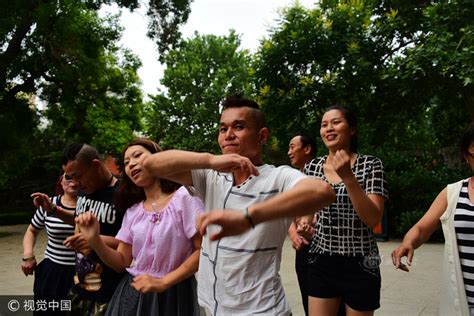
(79, 151)
(308, 140)
(238, 101)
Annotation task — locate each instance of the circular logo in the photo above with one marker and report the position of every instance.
(371, 262)
(13, 305)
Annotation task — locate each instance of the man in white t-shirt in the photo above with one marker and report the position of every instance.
(242, 195)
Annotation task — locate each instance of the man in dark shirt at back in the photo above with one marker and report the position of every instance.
(94, 282)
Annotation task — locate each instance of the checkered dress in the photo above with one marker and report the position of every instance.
(339, 230)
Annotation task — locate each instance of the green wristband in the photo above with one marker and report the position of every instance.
(247, 217)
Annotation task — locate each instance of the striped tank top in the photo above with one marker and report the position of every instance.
(464, 227)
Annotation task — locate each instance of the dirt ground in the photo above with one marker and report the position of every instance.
(413, 293)
(12, 279)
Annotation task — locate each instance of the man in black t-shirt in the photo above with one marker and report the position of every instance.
(94, 282)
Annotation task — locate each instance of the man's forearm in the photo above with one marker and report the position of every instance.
(176, 165)
(65, 216)
(169, 162)
(308, 196)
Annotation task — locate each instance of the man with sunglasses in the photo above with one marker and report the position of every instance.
(94, 281)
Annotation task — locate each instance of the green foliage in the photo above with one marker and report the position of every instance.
(407, 220)
(165, 18)
(434, 70)
(383, 59)
(312, 60)
(109, 113)
(17, 130)
(14, 218)
(63, 54)
(200, 72)
(63, 57)
(415, 178)
(404, 67)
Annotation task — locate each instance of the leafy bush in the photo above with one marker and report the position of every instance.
(415, 179)
(407, 219)
(15, 218)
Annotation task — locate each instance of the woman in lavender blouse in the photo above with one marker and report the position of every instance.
(158, 242)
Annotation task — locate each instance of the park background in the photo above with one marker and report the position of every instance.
(406, 67)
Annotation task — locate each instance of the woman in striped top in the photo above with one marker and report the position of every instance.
(454, 209)
(54, 274)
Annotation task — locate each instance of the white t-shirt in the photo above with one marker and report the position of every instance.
(240, 274)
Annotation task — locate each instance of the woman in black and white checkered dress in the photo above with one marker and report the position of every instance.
(344, 258)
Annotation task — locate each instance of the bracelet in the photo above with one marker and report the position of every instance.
(247, 217)
(28, 259)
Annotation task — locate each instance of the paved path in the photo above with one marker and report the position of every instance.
(413, 293)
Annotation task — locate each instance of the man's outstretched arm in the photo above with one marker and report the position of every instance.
(176, 165)
(305, 197)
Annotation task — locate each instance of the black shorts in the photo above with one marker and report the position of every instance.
(355, 279)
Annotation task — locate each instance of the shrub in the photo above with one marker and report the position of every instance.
(415, 179)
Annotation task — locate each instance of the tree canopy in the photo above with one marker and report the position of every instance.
(64, 78)
(40, 38)
(392, 61)
(405, 67)
(200, 72)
